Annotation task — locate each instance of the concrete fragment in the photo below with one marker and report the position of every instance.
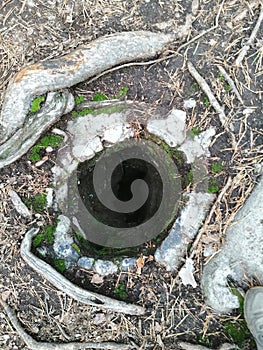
(242, 254)
(127, 264)
(198, 146)
(186, 226)
(171, 129)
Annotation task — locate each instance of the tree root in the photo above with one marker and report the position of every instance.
(63, 284)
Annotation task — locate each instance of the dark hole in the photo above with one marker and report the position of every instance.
(122, 178)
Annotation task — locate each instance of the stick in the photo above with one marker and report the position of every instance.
(218, 108)
(251, 39)
(231, 83)
(201, 231)
(35, 345)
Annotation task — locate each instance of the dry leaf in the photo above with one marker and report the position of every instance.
(186, 273)
(140, 264)
(97, 279)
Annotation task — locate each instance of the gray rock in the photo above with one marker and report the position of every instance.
(104, 267)
(185, 228)
(85, 262)
(20, 207)
(242, 254)
(127, 264)
(63, 242)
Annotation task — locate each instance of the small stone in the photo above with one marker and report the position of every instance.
(128, 264)
(104, 267)
(188, 104)
(20, 207)
(85, 262)
(49, 197)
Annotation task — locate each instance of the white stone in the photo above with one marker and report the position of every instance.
(191, 103)
(49, 198)
(172, 129)
(198, 146)
(104, 267)
(20, 207)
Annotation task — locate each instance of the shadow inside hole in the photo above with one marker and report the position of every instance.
(122, 178)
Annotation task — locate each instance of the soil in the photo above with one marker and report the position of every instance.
(35, 30)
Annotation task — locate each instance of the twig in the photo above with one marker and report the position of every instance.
(251, 39)
(35, 345)
(102, 104)
(231, 83)
(218, 108)
(202, 230)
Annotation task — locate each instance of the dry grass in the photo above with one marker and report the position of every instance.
(53, 28)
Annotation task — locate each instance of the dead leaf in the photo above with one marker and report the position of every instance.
(140, 264)
(97, 279)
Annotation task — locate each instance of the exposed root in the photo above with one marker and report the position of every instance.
(63, 284)
(231, 83)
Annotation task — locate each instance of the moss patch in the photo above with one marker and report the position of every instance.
(36, 104)
(37, 202)
(46, 141)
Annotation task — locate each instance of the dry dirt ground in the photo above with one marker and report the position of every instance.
(38, 30)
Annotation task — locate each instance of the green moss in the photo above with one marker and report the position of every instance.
(120, 291)
(216, 167)
(195, 131)
(196, 86)
(60, 265)
(221, 77)
(76, 248)
(46, 236)
(38, 239)
(49, 234)
(202, 340)
(188, 179)
(48, 140)
(206, 101)
(123, 92)
(37, 202)
(36, 104)
(212, 188)
(79, 99)
(99, 97)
